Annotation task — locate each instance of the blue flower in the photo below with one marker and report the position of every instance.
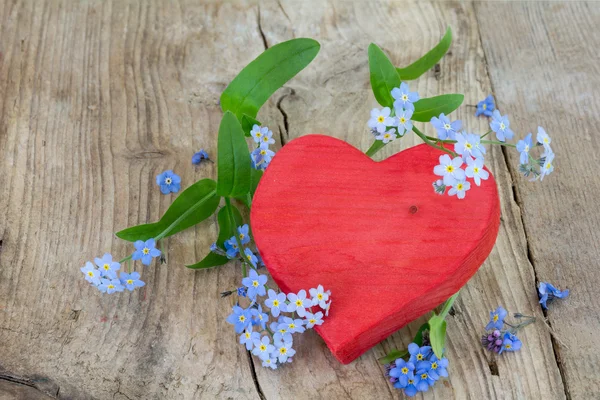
(543, 138)
(259, 317)
(169, 182)
(199, 156)
(284, 351)
(281, 331)
(92, 275)
(108, 268)
(270, 362)
(547, 166)
(485, 107)
(439, 366)
(418, 353)
(263, 348)
(403, 371)
(501, 125)
(145, 251)
(450, 169)
(232, 248)
(523, 147)
(469, 144)
(239, 318)
(475, 170)
(319, 296)
(445, 128)
(387, 136)
(276, 302)
(242, 291)
(547, 292)
(131, 281)
(496, 319)
(311, 319)
(258, 132)
(298, 303)
(268, 138)
(251, 257)
(255, 284)
(380, 119)
(243, 233)
(510, 343)
(110, 286)
(403, 121)
(262, 156)
(411, 389)
(423, 380)
(459, 188)
(404, 98)
(248, 338)
(294, 325)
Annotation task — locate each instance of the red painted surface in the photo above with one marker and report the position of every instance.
(374, 233)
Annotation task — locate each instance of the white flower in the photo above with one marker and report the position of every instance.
(314, 319)
(319, 296)
(387, 136)
(449, 169)
(543, 138)
(380, 119)
(547, 168)
(475, 170)
(459, 189)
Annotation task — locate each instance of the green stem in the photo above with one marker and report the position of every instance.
(235, 234)
(431, 143)
(185, 215)
(448, 305)
(249, 197)
(485, 134)
(497, 142)
(125, 259)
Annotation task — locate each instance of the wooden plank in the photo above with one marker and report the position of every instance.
(331, 100)
(553, 81)
(99, 97)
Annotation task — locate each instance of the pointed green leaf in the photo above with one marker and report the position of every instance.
(419, 336)
(226, 231)
(393, 356)
(434, 106)
(233, 159)
(437, 334)
(384, 76)
(425, 63)
(268, 72)
(375, 147)
(193, 205)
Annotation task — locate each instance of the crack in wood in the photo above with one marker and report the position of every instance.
(254, 377)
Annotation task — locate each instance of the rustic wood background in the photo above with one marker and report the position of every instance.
(97, 98)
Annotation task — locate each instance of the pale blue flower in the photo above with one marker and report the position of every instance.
(198, 157)
(402, 371)
(243, 234)
(510, 343)
(108, 268)
(459, 188)
(446, 130)
(501, 126)
(418, 353)
(410, 390)
(403, 121)
(294, 325)
(263, 348)
(145, 251)
(450, 169)
(110, 286)
(547, 167)
(281, 332)
(298, 303)
(485, 107)
(259, 317)
(248, 337)
(319, 296)
(284, 351)
(255, 284)
(276, 302)
(423, 380)
(251, 257)
(404, 98)
(262, 156)
(131, 281)
(469, 144)
(258, 132)
(496, 319)
(548, 292)
(92, 275)
(240, 319)
(169, 182)
(475, 170)
(232, 248)
(270, 362)
(523, 147)
(543, 138)
(311, 319)
(387, 136)
(380, 119)
(267, 138)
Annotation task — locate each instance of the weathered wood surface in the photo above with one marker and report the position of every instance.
(99, 97)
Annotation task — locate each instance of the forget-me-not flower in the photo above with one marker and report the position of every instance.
(248, 337)
(92, 275)
(259, 317)
(403, 121)
(475, 170)
(131, 281)
(501, 126)
(445, 128)
(459, 188)
(380, 119)
(243, 233)
(199, 156)
(251, 257)
(232, 248)
(299, 302)
(255, 284)
(294, 325)
(547, 291)
(450, 169)
(257, 133)
(496, 319)
(410, 390)
(169, 182)
(276, 302)
(262, 156)
(523, 147)
(284, 351)
(404, 98)
(319, 296)
(145, 251)
(402, 371)
(281, 331)
(469, 144)
(313, 319)
(510, 343)
(418, 353)
(108, 268)
(263, 348)
(240, 318)
(485, 107)
(387, 136)
(270, 362)
(547, 167)
(543, 138)
(110, 286)
(422, 380)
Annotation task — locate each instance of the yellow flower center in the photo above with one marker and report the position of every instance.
(275, 303)
(130, 281)
(320, 296)
(548, 165)
(282, 350)
(449, 168)
(402, 119)
(263, 347)
(502, 126)
(404, 370)
(258, 134)
(292, 326)
(106, 267)
(111, 286)
(484, 106)
(380, 119)
(469, 146)
(247, 335)
(508, 346)
(146, 250)
(263, 152)
(419, 356)
(312, 321)
(447, 126)
(424, 375)
(434, 365)
(411, 381)
(255, 283)
(386, 136)
(299, 303)
(495, 318)
(242, 236)
(404, 97)
(459, 186)
(91, 274)
(242, 318)
(476, 169)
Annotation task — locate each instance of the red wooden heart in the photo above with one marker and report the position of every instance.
(374, 233)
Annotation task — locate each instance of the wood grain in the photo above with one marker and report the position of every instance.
(99, 97)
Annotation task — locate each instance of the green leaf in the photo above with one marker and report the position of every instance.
(437, 334)
(425, 63)
(419, 336)
(226, 230)
(434, 106)
(384, 76)
(247, 123)
(193, 205)
(393, 356)
(233, 159)
(268, 72)
(375, 147)
(256, 174)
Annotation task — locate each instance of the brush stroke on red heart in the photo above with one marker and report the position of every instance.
(374, 233)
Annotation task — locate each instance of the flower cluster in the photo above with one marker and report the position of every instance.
(421, 371)
(273, 342)
(105, 276)
(547, 293)
(386, 123)
(497, 338)
(261, 156)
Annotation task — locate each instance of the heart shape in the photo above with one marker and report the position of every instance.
(374, 233)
